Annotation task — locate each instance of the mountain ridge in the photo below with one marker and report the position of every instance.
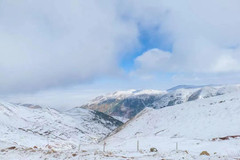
(49, 125)
(127, 104)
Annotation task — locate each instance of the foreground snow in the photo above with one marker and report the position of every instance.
(188, 149)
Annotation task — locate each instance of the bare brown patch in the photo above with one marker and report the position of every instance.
(11, 148)
(74, 154)
(204, 153)
(226, 138)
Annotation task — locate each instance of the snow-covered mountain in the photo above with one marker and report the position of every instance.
(203, 119)
(208, 120)
(124, 104)
(127, 104)
(184, 95)
(38, 126)
(210, 124)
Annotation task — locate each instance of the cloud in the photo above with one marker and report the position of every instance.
(202, 58)
(204, 34)
(152, 60)
(61, 99)
(55, 43)
(46, 44)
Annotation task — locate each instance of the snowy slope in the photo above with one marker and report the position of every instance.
(204, 124)
(126, 104)
(172, 98)
(196, 126)
(184, 95)
(27, 126)
(119, 95)
(202, 119)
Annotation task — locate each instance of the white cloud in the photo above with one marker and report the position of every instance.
(55, 43)
(204, 34)
(226, 63)
(152, 60)
(61, 99)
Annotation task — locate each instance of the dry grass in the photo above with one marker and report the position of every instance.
(204, 153)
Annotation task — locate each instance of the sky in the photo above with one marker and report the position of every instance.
(62, 53)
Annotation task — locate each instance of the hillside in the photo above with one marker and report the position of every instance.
(210, 125)
(126, 104)
(36, 126)
(201, 119)
(181, 131)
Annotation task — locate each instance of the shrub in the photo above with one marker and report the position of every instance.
(153, 149)
(11, 148)
(74, 154)
(204, 153)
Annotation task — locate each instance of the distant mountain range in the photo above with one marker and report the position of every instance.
(126, 104)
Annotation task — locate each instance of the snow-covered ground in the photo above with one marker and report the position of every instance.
(196, 126)
(30, 129)
(126, 150)
(181, 131)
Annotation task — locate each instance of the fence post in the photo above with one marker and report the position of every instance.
(79, 151)
(79, 148)
(138, 145)
(104, 145)
(176, 146)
